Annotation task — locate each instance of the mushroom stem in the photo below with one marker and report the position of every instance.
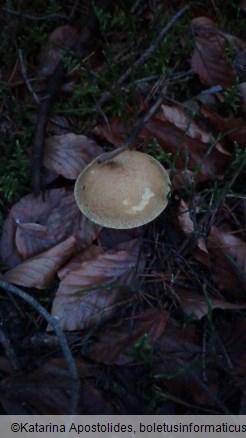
(109, 155)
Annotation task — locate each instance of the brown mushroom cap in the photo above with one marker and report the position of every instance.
(125, 192)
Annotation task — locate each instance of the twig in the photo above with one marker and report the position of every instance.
(41, 125)
(145, 56)
(25, 77)
(53, 87)
(9, 349)
(36, 18)
(75, 384)
(73, 10)
(135, 133)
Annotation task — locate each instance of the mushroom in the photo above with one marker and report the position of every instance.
(126, 191)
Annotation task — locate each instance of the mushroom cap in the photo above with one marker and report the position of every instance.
(127, 191)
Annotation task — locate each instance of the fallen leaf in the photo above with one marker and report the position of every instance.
(60, 40)
(93, 292)
(114, 342)
(31, 238)
(68, 154)
(75, 262)
(182, 137)
(200, 251)
(109, 238)
(178, 369)
(182, 178)
(235, 129)
(177, 116)
(43, 221)
(194, 304)
(242, 94)
(47, 391)
(228, 262)
(58, 125)
(210, 59)
(39, 271)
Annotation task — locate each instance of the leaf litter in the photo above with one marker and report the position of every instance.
(154, 316)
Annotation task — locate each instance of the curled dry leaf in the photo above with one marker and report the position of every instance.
(39, 271)
(114, 131)
(194, 304)
(91, 293)
(42, 222)
(47, 391)
(179, 365)
(210, 59)
(68, 154)
(30, 238)
(60, 40)
(242, 94)
(75, 262)
(182, 178)
(187, 225)
(112, 346)
(228, 262)
(58, 125)
(177, 116)
(235, 129)
(193, 147)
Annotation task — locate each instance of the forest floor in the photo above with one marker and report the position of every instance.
(147, 320)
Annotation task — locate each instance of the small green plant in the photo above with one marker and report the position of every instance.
(141, 349)
(155, 150)
(14, 173)
(231, 103)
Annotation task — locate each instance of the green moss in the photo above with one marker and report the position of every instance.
(14, 172)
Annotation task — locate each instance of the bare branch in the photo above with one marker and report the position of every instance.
(75, 382)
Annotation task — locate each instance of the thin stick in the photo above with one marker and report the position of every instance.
(25, 77)
(135, 133)
(9, 349)
(145, 56)
(75, 382)
(53, 87)
(36, 18)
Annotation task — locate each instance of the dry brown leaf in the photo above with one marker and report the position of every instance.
(114, 131)
(194, 304)
(47, 391)
(39, 271)
(184, 218)
(75, 262)
(179, 365)
(182, 178)
(109, 238)
(104, 281)
(54, 210)
(68, 154)
(194, 148)
(242, 4)
(177, 116)
(31, 239)
(113, 344)
(210, 59)
(228, 262)
(235, 129)
(58, 125)
(242, 94)
(187, 226)
(61, 39)
(190, 153)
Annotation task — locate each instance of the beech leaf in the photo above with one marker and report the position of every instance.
(68, 154)
(35, 224)
(91, 293)
(39, 271)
